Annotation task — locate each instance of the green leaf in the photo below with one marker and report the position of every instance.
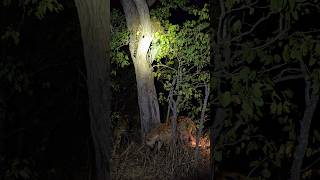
(279, 109)
(258, 102)
(277, 58)
(218, 155)
(276, 5)
(291, 4)
(289, 149)
(317, 135)
(249, 55)
(257, 89)
(254, 163)
(312, 61)
(236, 99)
(309, 152)
(251, 146)
(317, 49)
(24, 173)
(273, 107)
(295, 15)
(251, 11)
(244, 73)
(266, 173)
(285, 107)
(225, 99)
(304, 47)
(236, 27)
(247, 108)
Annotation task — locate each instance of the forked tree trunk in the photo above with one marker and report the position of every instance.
(94, 16)
(138, 19)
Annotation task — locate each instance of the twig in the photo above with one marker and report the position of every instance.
(252, 170)
(310, 165)
(286, 78)
(253, 27)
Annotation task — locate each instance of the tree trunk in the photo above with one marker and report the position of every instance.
(147, 96)
(203, 110)
(311, 104)
(138, 19)
(94, 16)
(303, 140)
(2, 131)
(214, 132)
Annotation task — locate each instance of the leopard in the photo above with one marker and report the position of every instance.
(162, 134)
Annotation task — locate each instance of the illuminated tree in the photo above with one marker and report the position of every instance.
(177, 62)
(139, 24)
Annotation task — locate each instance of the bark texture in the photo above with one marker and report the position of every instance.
(311, 104)
(138, 19)
(94, 16)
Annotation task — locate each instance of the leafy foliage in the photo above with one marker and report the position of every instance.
(183, 53)
(120, 39)
(251, 67)
(20, 169)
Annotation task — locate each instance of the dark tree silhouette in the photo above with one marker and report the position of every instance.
(94, 16)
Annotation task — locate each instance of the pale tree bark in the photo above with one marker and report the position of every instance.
(203, 110)
(311, 101)
(94, 16)
(138, 19)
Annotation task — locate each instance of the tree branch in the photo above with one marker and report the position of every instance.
(290, 77)
(144, 16)
(269, 42)
(151, 2)
(253, 27)
(310, 165)
(221, 19)
(272, 68)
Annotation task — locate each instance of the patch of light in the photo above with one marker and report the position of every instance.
(144, 44)
(203, 144)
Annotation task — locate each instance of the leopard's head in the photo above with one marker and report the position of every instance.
(151, 139)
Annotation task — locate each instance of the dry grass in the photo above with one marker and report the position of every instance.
(138, 162)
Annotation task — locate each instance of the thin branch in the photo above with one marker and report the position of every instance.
(203, 110)
(242, 139)
(252, 170)
(221, 19)
(310, 165)
(253, 27)
(242, 8)
(162, 65)
(273, 68)
(290, 77)
(287, 70)
(304, 71)
(222, 8)
(151, 2)
(269, 42)
(237, 9)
